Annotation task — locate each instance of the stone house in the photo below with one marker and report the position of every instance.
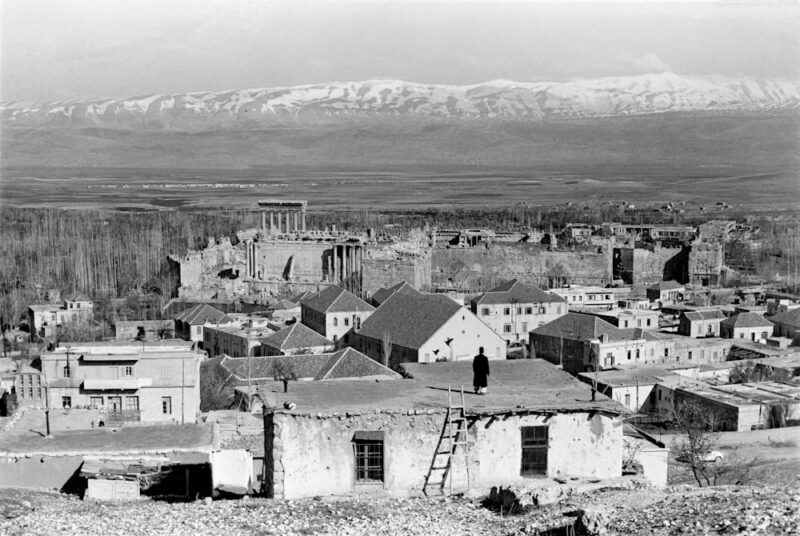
(581, 297)
(581, 341)
(700, 323)
(233, 340)
(295, 339)
(513, 309)
(751, 326)
(333, 312)
(29, 386)
(153, 382)
(44, 318)
(630, 318)
(189, 324)
(425, 329)
(534, 424)
(787, 324)
(666, 292)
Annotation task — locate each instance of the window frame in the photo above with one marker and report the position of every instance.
(534, 441)
(369, 458)
(166, 403)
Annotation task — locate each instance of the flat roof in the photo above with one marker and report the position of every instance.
(26, 439)
(639, 376)
(514, 386)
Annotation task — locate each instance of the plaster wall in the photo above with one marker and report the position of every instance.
(314, 456)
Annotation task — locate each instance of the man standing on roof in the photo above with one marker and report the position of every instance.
(480, 371)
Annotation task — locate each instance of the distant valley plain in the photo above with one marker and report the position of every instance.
(750, 160)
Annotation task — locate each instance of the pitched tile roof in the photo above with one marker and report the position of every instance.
(350, 363)
(515, 292)
(383, 294)
(789, 318)
(284, 304)
(202, 314)
(666, 285)
(577, 326)
(409, 320)
(747, 320)
(296, 336)
(335, 300)
(714, 314)
(346, 363)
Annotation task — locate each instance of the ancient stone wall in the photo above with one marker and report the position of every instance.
(481, 268)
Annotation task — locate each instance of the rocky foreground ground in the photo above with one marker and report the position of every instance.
(678, 510)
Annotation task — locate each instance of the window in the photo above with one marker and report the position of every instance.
(534, 450)
(763, 334)
(166, 405)
(741, 335)
(519, 310)
(648, 322)
(96, 402)
(368, 452)
(637, 353)
(525, 327)
(357, 322)
(485, 311)
(628, 399)
(66, 402)
(529, 310)
(542, 310)
(507, 311)
(127, 371)
(335, 322)
(346, 321)
(131, 403)
(67, 371)
(639, 323)
(666, 352)
(629, 354)
(507, 328)
(690, 355)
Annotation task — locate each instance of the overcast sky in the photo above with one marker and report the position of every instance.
(64, 49)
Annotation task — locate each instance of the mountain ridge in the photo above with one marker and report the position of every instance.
(391, 98)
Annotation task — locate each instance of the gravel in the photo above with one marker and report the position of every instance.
(677, 510)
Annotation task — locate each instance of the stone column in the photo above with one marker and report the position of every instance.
(295, 221)
(271, 222)
(303, 217)
(264, 221)
(333, 264)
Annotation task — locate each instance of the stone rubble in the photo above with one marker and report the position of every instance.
(679, 510)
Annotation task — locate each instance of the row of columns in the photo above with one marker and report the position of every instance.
(283, 221)
(344, 261)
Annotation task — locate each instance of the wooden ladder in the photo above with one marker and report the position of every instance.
(454, 435)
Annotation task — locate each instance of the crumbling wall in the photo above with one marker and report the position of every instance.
(705, 263)
(483, 267)
(384, 265)
(310, 454)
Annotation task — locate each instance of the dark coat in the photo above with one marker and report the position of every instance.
(480, 370)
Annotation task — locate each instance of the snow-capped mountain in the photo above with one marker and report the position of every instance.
(320, 103)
